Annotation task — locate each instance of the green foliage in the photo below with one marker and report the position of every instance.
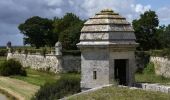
(145, 31)
(161, 53)
(142, 59)
(3, 52)
(37, 77)
(70, 37)
(69, 28)
(38, 32)
(12, 67)
(149, 69)
(151, 78)
(164, 36)
(2, 59)
(65, 86)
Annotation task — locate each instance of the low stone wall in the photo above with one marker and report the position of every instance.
(154, 87)
(162, 66)
(49, 62)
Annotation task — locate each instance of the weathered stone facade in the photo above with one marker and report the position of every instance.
(49, 62)
(106, 40)
(162, 66)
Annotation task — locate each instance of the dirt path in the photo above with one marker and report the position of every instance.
(18, 88)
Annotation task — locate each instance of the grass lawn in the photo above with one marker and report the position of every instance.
(20, 89)
(151, 78)
(38, 78)
(35, 77)
(118, 93)
(25, 87)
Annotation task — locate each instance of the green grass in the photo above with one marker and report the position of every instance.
(27, 86)
(38, 78)
(152, 78)
(19, 89)
(117, 93)
(148, 76)
(35, 77)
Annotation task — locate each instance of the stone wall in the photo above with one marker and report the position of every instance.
(49, 62)
(154, 87)
(71, 63)
(162, 66)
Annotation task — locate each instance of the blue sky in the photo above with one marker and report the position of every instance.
(14, 12)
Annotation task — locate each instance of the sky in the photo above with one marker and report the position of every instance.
(15, 12)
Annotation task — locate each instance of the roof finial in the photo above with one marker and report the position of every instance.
(107, 10)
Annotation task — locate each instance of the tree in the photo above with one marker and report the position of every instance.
(42, 32)
(165, 36)
(68, 28)
(70, 37)
(145, 30)
(38, 32)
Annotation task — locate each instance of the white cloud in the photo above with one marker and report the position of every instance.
(54, 2)
(139, 8)
(93, 6)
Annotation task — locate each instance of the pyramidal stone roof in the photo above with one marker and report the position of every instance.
(107, 28)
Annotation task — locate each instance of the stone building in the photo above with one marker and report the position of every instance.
(107, 45)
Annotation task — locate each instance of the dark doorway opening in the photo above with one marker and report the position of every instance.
(120, 71)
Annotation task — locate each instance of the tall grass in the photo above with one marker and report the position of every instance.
(148, 76)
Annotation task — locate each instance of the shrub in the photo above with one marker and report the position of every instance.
(142, 59)
(11, 67)
(161, 53)
(65, 86)
(3, 52)
(149, 69)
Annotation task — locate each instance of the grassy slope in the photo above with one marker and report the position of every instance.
(151, 78)
(25, 87)
(20, 89)
(117, 93)
(148, 76)
(37, 78)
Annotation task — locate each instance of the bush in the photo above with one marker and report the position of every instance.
(149, 69)
(161, 53)
(65, 86)
(142, 59)
(12, 67)
(3, 52)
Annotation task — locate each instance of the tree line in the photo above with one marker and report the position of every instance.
(149, 34)
(40, 32)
